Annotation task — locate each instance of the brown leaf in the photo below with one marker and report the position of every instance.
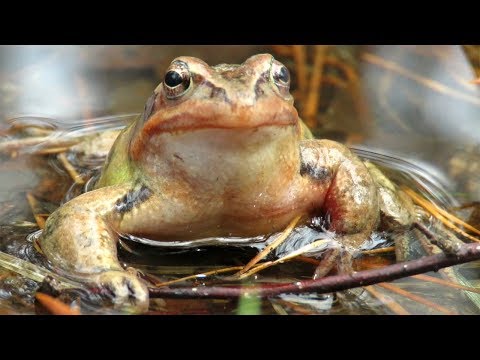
(55, 306)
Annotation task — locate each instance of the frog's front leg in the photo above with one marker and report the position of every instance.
(350, 197)
(80, 238)
(346, 192)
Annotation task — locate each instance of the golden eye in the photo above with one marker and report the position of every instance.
(177, 80)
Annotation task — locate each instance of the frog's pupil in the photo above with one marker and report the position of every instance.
(283, 74)
(173, 78)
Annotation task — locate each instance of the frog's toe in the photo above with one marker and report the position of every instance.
(128, 292)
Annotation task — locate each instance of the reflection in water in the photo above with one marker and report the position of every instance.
(426, 93)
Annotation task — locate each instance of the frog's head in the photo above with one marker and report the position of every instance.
(236, 108)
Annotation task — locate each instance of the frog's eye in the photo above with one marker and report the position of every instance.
(280, 76)
(177, 80)
(173, 78)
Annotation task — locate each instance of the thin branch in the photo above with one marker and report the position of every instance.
(387, 301)
(384, 250)
(281, 238)
(70, 169)
(429, 83)
(44, 141)
(434, 208)
(287, 257)
(419, 299)
(199, 276)
(33, 203)
(311, 104)
(466, 253)
(55, 306)
(446, 283)
(299, 56)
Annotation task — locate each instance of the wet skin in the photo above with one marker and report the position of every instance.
(219, 151)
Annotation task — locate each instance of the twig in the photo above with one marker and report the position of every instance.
(445, 283)
(449, 216)
(311, 104)
(44, 141)
(435, 212)
(384, 250)
(33, 206)
(196, 276)
(299, 57)
(56, 150)
(387, 301)
(429, 83)
(70, 169)
(34, 272)
(335, 81)
(416, 298)
(287, 257)
(271, 246)
(466, 253)
(354, 83)
(55, 306)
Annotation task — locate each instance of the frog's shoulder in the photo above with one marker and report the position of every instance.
(118, 168)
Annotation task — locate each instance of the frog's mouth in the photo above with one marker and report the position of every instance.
(198, 115)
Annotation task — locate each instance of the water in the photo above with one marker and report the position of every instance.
(167, 261)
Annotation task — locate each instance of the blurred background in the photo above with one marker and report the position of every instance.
(421, 102)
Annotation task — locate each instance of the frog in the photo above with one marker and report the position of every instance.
(219, 151)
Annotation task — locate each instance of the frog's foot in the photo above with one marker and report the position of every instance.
(329, 259)
(337, 255)
(127, 292)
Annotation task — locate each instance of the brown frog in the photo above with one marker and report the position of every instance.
(219, 151)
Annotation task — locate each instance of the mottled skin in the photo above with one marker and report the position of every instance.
(223, 153)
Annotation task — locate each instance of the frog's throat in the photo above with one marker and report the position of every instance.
(221, 156)
(229, 123)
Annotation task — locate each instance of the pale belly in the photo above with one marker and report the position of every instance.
(174, 220)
